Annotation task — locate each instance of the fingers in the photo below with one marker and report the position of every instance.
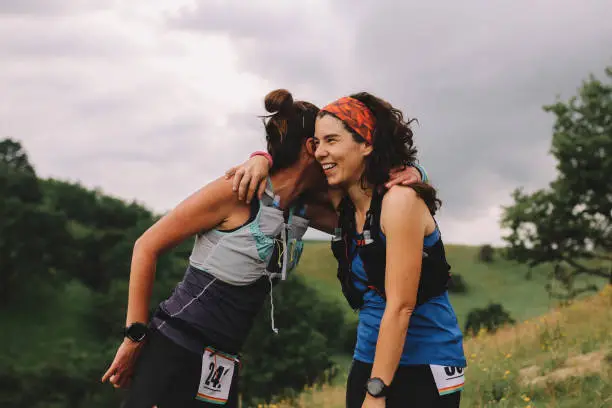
(244, 186)
(115, 380)
(262, 190)
(252, 188)
(239, 174)
(393, 180)
(110, 372)
(230, 172)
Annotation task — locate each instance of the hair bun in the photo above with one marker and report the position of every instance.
(279, 100)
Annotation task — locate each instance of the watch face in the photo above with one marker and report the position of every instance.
(375, 386)
(136, 332)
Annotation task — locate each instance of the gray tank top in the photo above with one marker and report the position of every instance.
(229, 276)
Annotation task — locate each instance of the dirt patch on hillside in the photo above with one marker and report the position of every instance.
(576, 366)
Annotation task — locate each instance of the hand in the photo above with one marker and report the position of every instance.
(249, 177)
(371, 402)
(404, 177)
(120, 371)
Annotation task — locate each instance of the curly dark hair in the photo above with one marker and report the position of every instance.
(289, 124)
(393, 147)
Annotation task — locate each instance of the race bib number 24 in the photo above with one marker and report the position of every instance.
(216, 377)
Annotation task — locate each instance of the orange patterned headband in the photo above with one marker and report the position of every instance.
(355, 114)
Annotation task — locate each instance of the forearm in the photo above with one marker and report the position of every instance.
(391, 339)
(142, 276)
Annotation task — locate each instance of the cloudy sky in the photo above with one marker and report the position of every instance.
(151, 99)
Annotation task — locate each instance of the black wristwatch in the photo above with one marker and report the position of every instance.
(376, 387)
(136, 332)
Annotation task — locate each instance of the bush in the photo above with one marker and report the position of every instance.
(457, 284)
(486, 253)
(489, 318)
(281, 365)
(69, 378)
(349, 336)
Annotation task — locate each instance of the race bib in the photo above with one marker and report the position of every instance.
(216, 378)
(448, 379)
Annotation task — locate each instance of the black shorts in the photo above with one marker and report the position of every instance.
(413, 386)
(168, 376)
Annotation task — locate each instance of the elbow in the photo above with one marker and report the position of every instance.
(402, 311)
(142, 248)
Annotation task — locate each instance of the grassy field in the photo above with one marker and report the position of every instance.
(55, 325)
(500, 282)
(562, 359)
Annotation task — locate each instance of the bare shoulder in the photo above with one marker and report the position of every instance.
(221, 189)
(402, 206)
(214, 196)
(399, 197)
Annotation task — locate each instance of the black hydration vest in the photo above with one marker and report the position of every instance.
(435, 271)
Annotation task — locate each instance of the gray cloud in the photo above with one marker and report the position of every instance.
(51, 7)
(474, 73)
(151, 100)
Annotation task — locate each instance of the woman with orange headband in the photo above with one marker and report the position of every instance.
(391, 260)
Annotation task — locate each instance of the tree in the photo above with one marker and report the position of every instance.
(14, 155)
(34, 242)
(281, 365)
(569, 224)
(486, 253)
(489, 318)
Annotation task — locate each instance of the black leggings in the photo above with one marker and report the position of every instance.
(413, 386)
(168, 375)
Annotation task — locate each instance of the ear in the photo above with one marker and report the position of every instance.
(366, 149)
(310, 146)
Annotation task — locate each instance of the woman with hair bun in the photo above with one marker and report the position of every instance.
(187, 353)
(391, 260)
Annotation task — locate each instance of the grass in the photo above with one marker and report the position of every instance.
(501, 281)
(58, 321)
(39, 330)
(540, 362)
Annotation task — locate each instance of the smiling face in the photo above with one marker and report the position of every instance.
(342, 158)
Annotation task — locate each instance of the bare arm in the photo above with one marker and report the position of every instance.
(404, 220)
(321, 210)
(248, 178)
(203, 210)
(207, 208)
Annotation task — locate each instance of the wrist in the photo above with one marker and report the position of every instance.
(264, 154)
(376, 388)
(421, 171)
(135, 332)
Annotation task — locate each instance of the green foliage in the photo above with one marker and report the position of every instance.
(282, 364)
(34, 241)
(569, 224)
(489, 318)
(486, 253)
(15, 157)
(58, 233)
(457, 284)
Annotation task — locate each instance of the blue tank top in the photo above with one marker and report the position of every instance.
(433, 336)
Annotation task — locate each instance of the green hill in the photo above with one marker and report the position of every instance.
(501, 281)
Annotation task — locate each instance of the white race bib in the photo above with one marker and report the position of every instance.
(216, 378)
(448, 379)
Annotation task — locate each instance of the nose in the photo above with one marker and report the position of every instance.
(320, 152)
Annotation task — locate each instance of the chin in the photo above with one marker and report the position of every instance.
(333, 181)
(336, 181)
